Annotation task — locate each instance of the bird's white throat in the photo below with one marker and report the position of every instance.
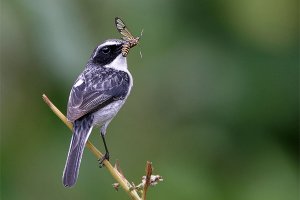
(119, 63)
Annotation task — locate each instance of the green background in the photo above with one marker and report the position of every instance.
(214, 104)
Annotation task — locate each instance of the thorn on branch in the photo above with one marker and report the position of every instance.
(116, 186)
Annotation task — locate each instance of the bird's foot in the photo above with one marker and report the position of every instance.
(105, 157)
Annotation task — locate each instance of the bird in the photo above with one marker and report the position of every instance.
(95, 98)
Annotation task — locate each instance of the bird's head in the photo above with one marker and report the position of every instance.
(109, 54)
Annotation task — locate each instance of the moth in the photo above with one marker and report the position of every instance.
(131, 41)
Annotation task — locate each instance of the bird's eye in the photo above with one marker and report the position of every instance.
(105, 50)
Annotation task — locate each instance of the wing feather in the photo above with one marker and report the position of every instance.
(98, 88)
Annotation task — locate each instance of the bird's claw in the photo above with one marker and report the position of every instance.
(105, 157)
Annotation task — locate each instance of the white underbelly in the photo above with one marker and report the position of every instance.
(107, 113)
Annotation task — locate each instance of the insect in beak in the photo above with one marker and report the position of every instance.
(130, 40)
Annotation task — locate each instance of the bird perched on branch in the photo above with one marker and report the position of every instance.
(95, 98)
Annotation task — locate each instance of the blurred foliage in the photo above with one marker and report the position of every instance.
(214, 104)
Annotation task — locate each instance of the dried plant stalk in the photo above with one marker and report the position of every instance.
(147, 179)
(116, 175)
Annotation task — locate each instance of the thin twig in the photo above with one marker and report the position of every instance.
(121, 180)
(147, 179)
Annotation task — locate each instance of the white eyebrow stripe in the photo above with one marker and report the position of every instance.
(111, 42)
(96, 51)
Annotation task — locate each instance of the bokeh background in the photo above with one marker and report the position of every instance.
(214, 104)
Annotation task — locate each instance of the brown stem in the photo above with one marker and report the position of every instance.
(121, 180)
(148, 179)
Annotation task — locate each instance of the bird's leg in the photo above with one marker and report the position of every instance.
(106, 155)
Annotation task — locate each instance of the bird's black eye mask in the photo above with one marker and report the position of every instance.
(107, 54)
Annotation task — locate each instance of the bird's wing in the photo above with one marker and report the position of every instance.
(95, 89)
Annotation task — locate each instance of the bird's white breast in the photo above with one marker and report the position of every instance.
(107, 113)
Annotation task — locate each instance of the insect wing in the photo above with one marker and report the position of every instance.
(126, 39)
(123, 30)
(119, 24)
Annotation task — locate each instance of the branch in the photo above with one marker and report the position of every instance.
(116, 175)
(147, 179)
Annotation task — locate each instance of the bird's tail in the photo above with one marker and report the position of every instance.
(81, 132)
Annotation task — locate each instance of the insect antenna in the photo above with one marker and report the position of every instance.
(140, 45)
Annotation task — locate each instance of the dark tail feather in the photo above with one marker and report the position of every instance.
(81, 133)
